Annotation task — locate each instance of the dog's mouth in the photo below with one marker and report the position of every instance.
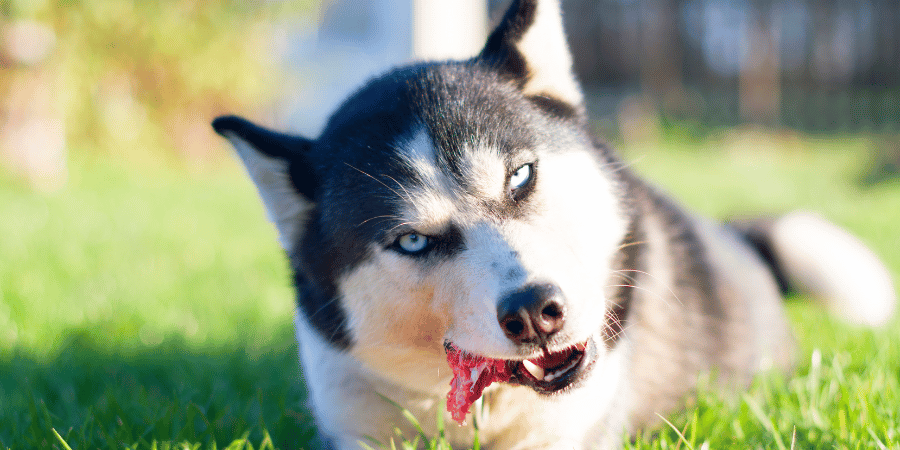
(550, 372)
(554, 371)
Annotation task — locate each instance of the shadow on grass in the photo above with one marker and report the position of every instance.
(174, 392)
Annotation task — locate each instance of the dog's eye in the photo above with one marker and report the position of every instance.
(412, 243)
(521, 177)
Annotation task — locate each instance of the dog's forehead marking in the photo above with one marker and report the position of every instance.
(420, 154)
(484, 172)
(442, 196)
(428, 212)
(429, 205)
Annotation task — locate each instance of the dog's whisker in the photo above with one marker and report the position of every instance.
(622, 165)
(400, 225)
(616, 333)
(323, 306)
(408, 197)
(398, 194)
(640, 288)
(655, 278)
(625, 276)
(614, 320)
(632, 243)
(383, 217)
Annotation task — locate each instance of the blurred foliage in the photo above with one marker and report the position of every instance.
(134, 78)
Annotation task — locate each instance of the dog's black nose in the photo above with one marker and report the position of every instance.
(532, 314)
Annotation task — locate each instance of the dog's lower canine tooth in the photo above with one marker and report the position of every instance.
(534, 369)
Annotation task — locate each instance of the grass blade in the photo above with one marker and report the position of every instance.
(766, 422)
(61, 440)
(681, 438)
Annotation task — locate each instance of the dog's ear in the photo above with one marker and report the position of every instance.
(529, 46)
(279, 167)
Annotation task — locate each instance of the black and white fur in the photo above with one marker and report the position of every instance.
(441, 193)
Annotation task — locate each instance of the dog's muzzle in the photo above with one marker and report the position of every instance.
(533, 318)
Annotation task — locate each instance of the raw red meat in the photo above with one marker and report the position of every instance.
(471, 375)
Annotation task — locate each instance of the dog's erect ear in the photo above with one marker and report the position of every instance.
(279, 167)
(529, 45)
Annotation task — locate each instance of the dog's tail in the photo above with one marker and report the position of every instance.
(812, 256)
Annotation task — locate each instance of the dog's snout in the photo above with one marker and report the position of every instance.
(533, 314)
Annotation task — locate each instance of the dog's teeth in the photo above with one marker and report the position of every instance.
(552, 375)
(533, 369)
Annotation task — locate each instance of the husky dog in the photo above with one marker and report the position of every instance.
(466, 205)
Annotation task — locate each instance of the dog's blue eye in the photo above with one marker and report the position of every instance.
(412, 242)
(520, 177)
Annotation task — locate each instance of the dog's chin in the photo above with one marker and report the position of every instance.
(556, 371)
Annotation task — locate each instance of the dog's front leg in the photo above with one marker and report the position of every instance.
(351, 410)
(350, 404)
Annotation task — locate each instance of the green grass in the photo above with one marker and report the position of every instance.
(149, 307)
(144, 305)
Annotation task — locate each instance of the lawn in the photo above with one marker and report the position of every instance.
(149, 307)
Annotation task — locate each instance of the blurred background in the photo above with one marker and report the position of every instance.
(141, 79)
(142, 294)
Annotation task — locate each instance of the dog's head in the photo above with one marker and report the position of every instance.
(457, 202)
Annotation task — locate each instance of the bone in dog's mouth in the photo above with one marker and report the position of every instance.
(547, 373)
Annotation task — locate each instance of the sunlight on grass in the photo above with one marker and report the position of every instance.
(130, 256)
